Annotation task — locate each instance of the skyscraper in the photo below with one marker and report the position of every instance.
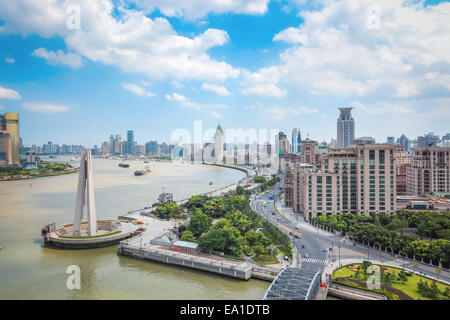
(296, 140)
(403, 140)
(130, 142)
(10, 122)
(345, 128)
(151, 148)
(219, 144)
(111, 144)
(5, 148)
(427, 141)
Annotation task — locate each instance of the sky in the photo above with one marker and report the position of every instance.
(78, 71)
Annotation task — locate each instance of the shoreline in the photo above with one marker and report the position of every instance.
(41, 176)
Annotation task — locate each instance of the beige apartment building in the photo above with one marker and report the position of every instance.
(308, 151)
(358, 179)
(429, 172)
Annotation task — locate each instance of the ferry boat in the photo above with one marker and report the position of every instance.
(142, 172)
(124, 165)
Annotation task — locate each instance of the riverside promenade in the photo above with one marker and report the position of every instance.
(141, 246)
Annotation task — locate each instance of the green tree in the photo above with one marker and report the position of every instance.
(195, 201)
(240, 190)
(187, 236)
(199, 223)
(222, 237)
(239, 220)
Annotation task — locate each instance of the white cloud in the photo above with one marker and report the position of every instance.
(137, 90)
(279, 113)
(264, 83)
(220, 90)
(194, 9)
(10, 60)
(216, 115)
(381, 109)
(125, 38)
(185, 103)
(438, 79)
(291, 35)
(9, 94)
(175, 97)
(59, 57)
(199, 106)
(334, 52)
(45, 107)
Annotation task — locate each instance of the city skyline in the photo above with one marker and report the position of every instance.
(234, 65)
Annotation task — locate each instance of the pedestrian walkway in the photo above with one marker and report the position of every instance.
(317, 261)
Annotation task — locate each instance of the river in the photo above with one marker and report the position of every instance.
(30, 271)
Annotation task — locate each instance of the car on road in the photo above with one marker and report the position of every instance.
(291, 233)
(273, 213)
(297, 228)
(286, 258)
(296, 236)
(306, 256)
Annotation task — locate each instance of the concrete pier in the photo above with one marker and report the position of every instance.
(240, 270)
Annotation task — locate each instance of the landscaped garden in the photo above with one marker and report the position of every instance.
(227, 225)
(387, 232)
(396, 284)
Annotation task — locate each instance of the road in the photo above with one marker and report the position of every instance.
(314, 241)
(309, 246)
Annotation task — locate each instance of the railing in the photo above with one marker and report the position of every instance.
(166, 253)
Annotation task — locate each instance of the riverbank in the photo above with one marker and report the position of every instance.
(47, 169)
(30, 271)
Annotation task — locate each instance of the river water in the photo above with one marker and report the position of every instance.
(30, 271)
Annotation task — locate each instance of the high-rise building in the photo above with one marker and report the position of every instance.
(118, 145)
(429, 172)
(130, 142)
(111, 144)
(345, 128)
(218, 144)
(283, 143)
(5, 148)
(358, 179)
(10, 122)
(106, 148)
(390, 140)
(364, 140)
(427, 141)
(152, 148)
(403, 140)
(296, 141)
(308, 154)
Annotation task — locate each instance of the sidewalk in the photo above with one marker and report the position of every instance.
(397, 261)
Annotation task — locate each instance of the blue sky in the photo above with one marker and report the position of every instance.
(156, 66)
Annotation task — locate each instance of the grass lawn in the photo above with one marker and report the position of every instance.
(266, 259)
(410, 287)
